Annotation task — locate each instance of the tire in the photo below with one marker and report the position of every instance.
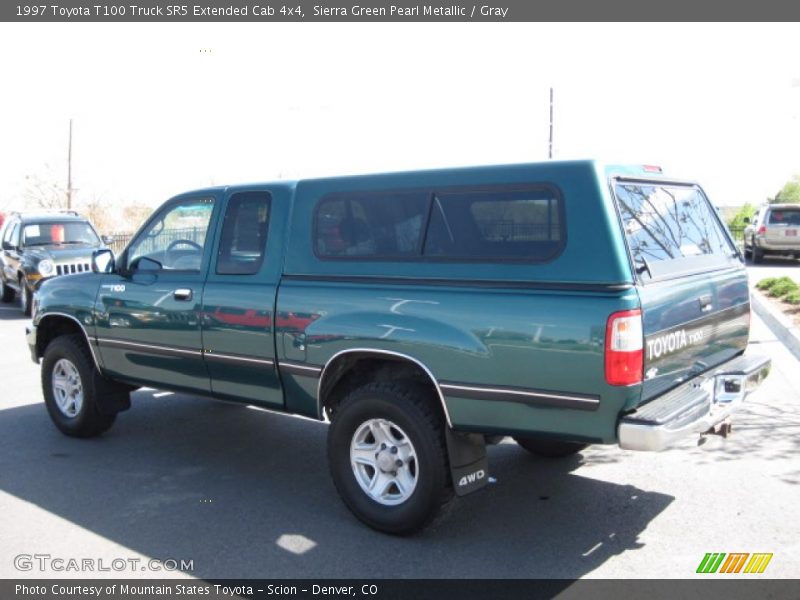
(6, 293)
(375, 419)
(25, 297)
(758, 255)
(549, 448)
(71, 385)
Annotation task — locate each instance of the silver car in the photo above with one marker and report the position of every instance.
(774, 230)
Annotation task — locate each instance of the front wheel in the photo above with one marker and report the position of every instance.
(6, 292)
(70, 392)
(25, 297)
(387, 457)
(549, 448)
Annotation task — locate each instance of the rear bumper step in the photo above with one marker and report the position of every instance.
(695, 407)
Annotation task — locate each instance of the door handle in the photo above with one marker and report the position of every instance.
(705, 303)
(182, 294)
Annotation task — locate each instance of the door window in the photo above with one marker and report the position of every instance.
(13, 236)
(175, 240)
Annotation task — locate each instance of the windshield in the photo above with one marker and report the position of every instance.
(70, 232)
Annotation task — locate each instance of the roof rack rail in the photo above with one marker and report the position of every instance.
(45, 211)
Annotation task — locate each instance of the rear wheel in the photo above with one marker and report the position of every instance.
(549, 448)
(758, 255)
(6, 292)
(387, 457)
(71, 385)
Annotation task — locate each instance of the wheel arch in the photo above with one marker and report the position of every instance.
(340, 373)
(52, 325)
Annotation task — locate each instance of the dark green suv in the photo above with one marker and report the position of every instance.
(38, 246)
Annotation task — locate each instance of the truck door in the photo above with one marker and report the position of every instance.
(238, 321)
(148, 313)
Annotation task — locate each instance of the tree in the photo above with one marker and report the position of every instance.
(748, 211)
(42, 191)
(789, 192)
(133, 215)
(99, 214)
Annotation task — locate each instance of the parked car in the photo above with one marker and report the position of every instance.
(774, 230)
(425, 315)
(38, 246)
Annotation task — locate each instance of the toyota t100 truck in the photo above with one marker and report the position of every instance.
(424, 315)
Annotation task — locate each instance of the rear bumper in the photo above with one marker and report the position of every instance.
(694, 407)
(790, 246)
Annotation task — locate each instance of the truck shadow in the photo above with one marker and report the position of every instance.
(245, 493)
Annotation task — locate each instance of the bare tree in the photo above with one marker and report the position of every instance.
(42, 191)
(133, 215)
(99, 214)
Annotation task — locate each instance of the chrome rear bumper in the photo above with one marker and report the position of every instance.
(695, 407)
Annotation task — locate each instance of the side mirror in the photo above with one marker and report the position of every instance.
(145, 263)
(9, 246)
(747, 220)
(103, 261)
(107, 239)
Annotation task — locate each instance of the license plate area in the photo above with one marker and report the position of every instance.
(791, 233)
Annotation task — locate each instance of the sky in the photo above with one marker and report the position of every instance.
(163, 108)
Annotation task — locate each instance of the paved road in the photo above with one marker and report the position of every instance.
(774, 267)
(245, 493)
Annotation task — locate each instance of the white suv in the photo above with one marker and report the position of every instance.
(774, 230)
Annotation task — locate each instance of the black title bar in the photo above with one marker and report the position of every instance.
(401, 11)
(386, 589)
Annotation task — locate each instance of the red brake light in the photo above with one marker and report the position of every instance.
(651, 169)
(624, 348)
(762, 230)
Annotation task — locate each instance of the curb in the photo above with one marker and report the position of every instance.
(780, 324)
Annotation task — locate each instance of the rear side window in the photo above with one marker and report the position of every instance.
(244, 234)
(665, 223)
(379, 225)
(466, 224)
(784, 217)
(495, 224)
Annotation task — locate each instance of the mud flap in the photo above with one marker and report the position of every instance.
(111, 397)
(469, 466)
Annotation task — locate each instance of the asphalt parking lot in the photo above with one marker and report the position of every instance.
(246, 493)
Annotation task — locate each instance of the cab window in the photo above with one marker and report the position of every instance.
(244, 234)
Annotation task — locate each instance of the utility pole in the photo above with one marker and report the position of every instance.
(69, 168)
(550, 150)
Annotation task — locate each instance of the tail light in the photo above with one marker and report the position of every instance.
(624, 348)
(762, 230)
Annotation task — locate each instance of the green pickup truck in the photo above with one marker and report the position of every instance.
(424, 314)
